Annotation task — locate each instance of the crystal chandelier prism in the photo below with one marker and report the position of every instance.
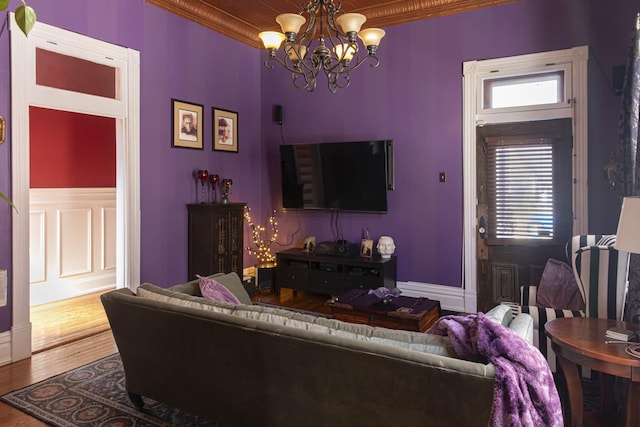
(328, 42)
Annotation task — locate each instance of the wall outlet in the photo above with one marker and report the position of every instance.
(443, 177)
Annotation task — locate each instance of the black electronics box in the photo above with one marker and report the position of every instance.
(344, 249)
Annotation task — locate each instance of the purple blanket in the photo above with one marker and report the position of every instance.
(524, 392)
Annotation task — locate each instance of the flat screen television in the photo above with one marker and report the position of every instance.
(345, 176)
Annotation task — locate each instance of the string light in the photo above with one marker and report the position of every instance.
(262, 245)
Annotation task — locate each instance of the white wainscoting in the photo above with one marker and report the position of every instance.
(72, 242)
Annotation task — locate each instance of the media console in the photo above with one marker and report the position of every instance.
(332, 275)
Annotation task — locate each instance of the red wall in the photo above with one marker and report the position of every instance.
(70, 150)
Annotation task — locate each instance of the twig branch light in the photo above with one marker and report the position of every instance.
(330, 38)
(262, 245)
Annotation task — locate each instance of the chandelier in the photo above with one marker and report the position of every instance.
(328, 42)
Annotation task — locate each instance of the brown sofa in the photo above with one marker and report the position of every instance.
(248, 365)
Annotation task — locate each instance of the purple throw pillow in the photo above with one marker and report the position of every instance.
(558, 288)
(214, 290)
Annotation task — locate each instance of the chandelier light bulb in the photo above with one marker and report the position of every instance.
(271, 39)
(371, 36)
(346, 49)
(293, 54)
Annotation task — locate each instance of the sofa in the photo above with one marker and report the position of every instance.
(254, 365)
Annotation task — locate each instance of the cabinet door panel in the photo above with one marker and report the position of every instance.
(327, 282)
(215, 239)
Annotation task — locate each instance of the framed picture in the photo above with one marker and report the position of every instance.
(225, 130)
(366, 248)
(186, 125)
(309, 244)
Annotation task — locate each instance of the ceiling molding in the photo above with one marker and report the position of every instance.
(242, 20)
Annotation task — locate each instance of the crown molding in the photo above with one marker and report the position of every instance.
(246, 25)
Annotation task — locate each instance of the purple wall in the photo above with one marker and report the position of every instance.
(415, 98)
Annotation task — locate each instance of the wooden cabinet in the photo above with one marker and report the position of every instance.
(215, 238)
(332, 275)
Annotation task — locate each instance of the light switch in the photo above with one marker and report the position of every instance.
(443, 177)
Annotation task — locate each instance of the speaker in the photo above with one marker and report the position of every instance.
(277, 114)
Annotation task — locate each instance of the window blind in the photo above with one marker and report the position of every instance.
(520, 189)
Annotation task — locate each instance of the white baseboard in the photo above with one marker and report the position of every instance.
(20, 342)
(5, 348)
(451, 298)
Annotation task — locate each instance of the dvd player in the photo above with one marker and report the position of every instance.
(336, 249)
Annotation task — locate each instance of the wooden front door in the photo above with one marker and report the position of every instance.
(524, 212)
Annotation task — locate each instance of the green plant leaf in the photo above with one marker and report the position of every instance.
(4, 4)
(6, 199)
(25, 18)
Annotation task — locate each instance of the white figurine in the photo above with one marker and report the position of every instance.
(386, 247)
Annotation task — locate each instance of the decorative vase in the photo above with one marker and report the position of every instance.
(386, 247)
(225, 189)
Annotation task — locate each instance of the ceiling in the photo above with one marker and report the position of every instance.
(244, 19)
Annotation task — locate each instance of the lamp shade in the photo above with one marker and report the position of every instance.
(351, 22)
(293, 53)
(628, 235)
(345, 51)
(371, 36)
(271, 39)
(290, 22)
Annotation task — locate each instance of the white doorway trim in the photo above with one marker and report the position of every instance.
(126, 109)
(473, 72)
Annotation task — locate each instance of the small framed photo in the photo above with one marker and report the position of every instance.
(366, 248)
(225, 130)
(186, 125)
(309, 244)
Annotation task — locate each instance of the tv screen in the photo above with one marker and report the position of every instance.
(346, 176)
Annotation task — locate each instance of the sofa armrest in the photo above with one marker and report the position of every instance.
(522, 325)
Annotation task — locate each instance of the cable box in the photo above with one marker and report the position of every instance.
(336, 249)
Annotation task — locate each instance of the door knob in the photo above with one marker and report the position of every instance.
(482, 228)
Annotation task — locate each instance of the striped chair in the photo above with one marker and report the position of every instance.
(600, 272)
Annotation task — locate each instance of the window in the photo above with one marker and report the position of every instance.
(524, 90)
(75, 74)
(520, 188)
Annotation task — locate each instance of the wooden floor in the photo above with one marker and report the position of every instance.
(66, 321)
(72, 333)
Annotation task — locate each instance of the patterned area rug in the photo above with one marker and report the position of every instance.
(94, 395)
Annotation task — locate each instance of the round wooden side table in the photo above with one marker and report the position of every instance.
(581, 341)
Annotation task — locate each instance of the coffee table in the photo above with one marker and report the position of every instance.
(581, 341)
(402, 312)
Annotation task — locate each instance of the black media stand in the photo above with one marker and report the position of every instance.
(332, 275)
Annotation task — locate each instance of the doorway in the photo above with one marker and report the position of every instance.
(566, 71)
(33, 87)
(524, 205)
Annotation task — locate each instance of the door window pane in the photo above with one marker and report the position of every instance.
(75, 74)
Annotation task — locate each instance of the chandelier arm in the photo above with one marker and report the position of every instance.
(309, 81)
(284, 64)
